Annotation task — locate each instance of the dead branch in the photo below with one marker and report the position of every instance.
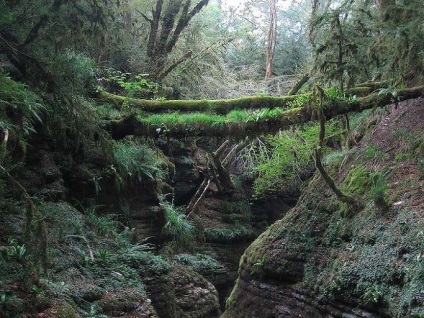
(193, 207)
(299, 84)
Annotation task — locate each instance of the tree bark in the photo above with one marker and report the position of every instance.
(271, 39)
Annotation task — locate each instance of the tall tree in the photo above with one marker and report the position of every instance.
(167, 21)
(271, 38)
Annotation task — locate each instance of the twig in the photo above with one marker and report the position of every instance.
(200, 198)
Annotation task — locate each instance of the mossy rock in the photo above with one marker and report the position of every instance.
(12, 307)
(124, 301)
(63, 310)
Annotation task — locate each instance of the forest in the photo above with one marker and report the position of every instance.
(212, 158)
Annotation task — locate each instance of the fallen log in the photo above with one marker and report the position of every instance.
(223, 106)
(137, 125)
(213, 106)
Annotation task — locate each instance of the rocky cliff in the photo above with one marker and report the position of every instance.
(320, 260)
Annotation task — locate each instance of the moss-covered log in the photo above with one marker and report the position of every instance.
(226, 105)
(143, 127)
(214, 106)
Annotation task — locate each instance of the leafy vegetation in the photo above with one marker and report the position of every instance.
(17, 100)
(139, 161)
(283, 158)
(200, 262)
(177, 225)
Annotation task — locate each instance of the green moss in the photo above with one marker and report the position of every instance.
(200, 262)
(240, 232)
(216, 106)
(338, 231)
(66, 311)
(380, 265)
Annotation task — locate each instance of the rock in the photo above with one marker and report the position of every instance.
(182, 293)
(195, 297)
(126, 305)
(186, 179)
(43, 177)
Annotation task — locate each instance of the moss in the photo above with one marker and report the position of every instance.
(372, 260)
(209, 121)
(367, 267)
(360, 91)
(222, 235)
(66, 311)
(217, 106)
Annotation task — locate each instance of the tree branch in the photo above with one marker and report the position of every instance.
(145, 16)
(174, 65)
(184, 21)
(198, 197)
(299, 84)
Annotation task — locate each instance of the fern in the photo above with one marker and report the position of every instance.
(177, 225)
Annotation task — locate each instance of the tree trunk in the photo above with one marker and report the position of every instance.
(167, 23)
(224, 106)
(271, 39)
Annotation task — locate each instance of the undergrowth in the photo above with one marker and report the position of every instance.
(90, 257)
(181, 229)
(282, 158)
